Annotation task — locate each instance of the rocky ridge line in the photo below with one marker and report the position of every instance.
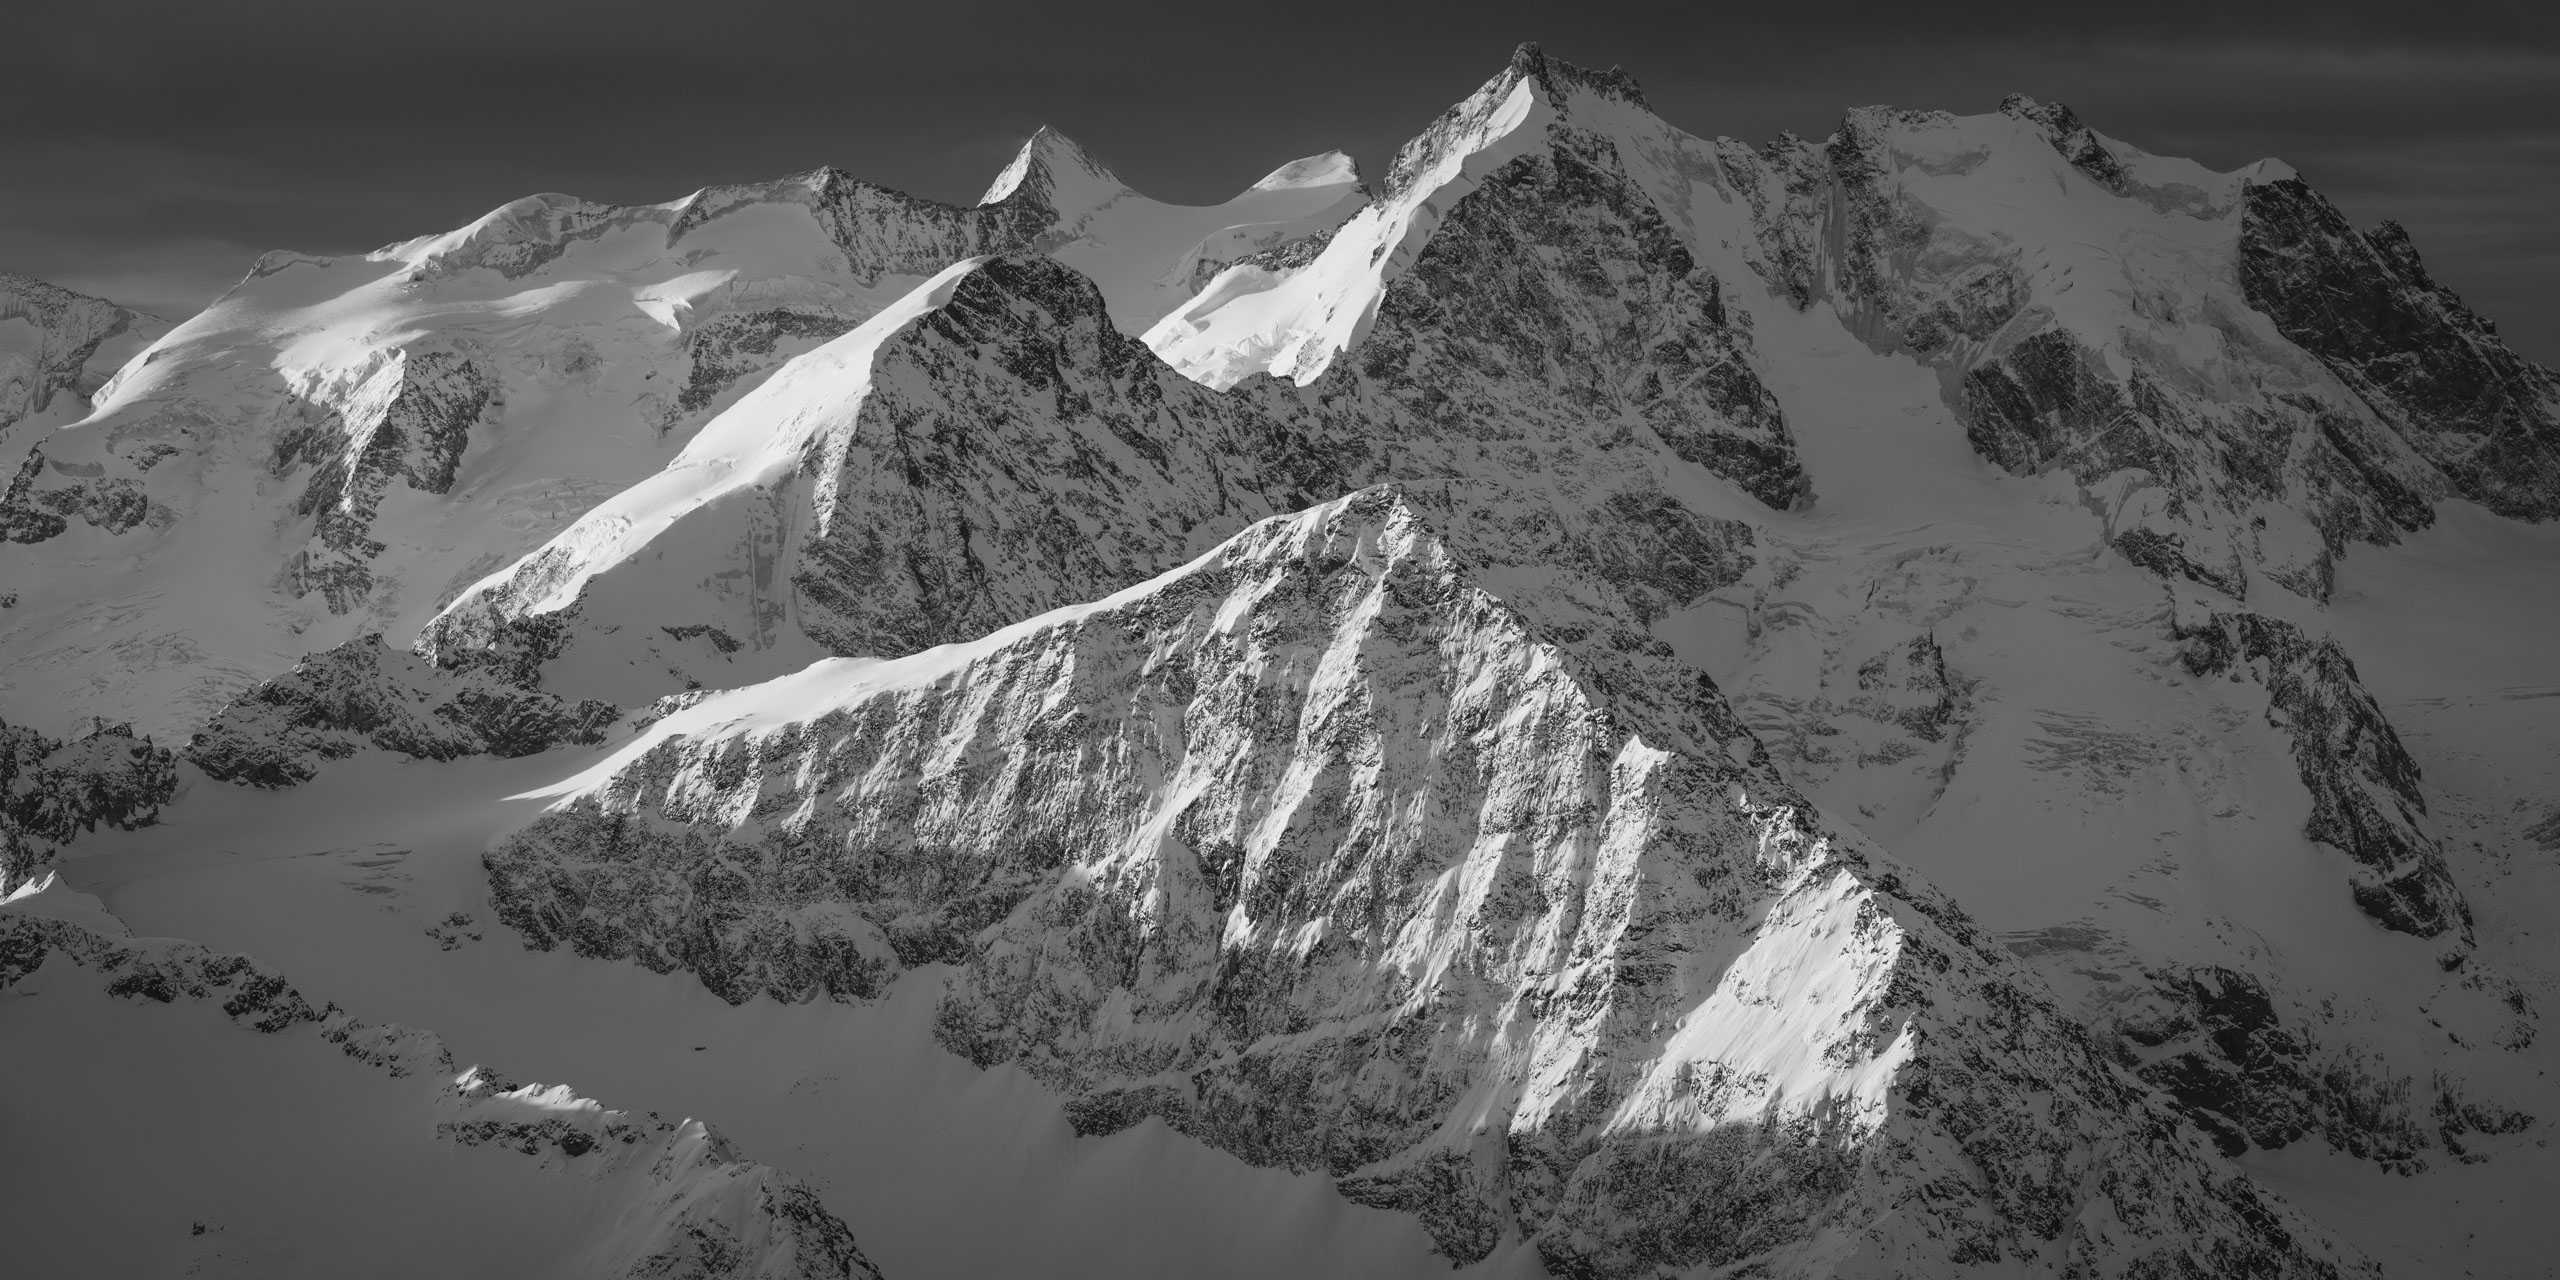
(1314, 849)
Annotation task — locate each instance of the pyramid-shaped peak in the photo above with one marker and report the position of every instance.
(1053, 167)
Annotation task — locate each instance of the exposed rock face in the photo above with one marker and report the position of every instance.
(2221, 452)
(2073, 141)
(408, 421)
(1552, 354)
(57, 348)
(339, 445)
(1556, 289)
(2198, 421)
(33, 510)
(52, 791)
(2223, 447)
(1324, 855)
(363, 693)
(2424, 363)
(879, 231)
(729, 348)
(693, 1208)
(2213, 1039)
(2364, 787)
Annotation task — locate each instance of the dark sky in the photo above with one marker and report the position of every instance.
(150, 148)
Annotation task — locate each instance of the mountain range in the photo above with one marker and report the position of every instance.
(1956, 698)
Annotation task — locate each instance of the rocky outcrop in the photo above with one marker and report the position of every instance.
(693, 1208)
(2074, 141)
(1322, 854)
(343, 443)
(2221, 447)
(878, 230)
(2365, 798)
(52, 791)
(1552, 355)
(727, 349)
(2220, 453)
(2273, 388)
(1556, 290)
(2215, 1039)
(41, 502)
(366, 694)
(57, 348)
(407, 421)
(2427, 366)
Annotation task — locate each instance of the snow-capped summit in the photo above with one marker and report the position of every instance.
(1148, 256)
(337, 445)
(1051, 168)
(1291, 316)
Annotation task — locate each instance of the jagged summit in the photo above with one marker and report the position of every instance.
(1530, 89)
(1556, 76)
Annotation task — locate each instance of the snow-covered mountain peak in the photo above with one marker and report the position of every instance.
(1522, 96)
(1316, 850)
(1290, 316)
(1052, 168)
(1559, 79)
(460, 396)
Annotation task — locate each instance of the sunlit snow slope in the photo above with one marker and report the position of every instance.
(338, 445)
